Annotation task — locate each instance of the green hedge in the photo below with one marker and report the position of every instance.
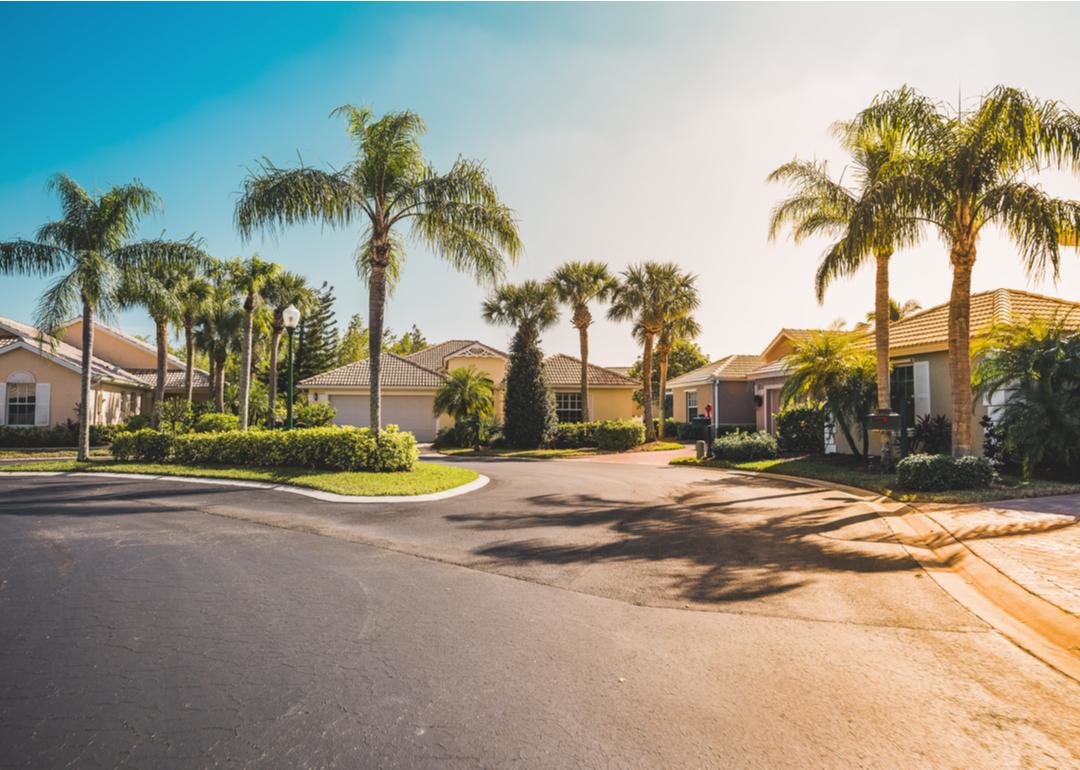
(317, 414)
(619, 435)
(933, 473)
(574, 435)
(343, 449)
(215, 422)
(66, 435)
(801, 429)
(742, 447)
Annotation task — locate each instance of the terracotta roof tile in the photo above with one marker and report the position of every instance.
(174, 378)
(565, 371)
(434, 357)
(733, 367)
(396, 372)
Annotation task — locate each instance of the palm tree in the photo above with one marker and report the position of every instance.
(284, 289)
(467, 395)
(90, 245)
(530, 307)
(678, 324)
(643, 296)
(820, 205)
(576, 285)
(158, 289)
(219, 324)
(249, 277)
(968, 169)
(192, 294)
(830, 367)
(387, 185)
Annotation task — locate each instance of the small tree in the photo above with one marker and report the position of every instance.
(469, 397)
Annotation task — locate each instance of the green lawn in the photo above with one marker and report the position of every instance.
(426, 478)
(19, 453)
(550, 454)
(848, 471)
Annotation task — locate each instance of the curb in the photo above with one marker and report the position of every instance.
(1037, 626)
(330, 497)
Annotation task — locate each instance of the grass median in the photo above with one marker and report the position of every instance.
(426, 478)
(850, 472)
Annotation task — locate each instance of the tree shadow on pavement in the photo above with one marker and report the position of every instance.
(715, 551)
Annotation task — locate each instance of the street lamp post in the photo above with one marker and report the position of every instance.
(291, 317)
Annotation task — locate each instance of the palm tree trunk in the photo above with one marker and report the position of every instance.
(583, 343)
(376, 310)
(160, 326)
(881, 328)
(84, 386)
(245, 364)
(219, 386)
(646, 386)
(189, 356)
(275, 343)
(663, 365)
(963, 260)
(213, 375)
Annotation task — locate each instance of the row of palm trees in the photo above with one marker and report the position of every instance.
(658, 298)
(919, 166)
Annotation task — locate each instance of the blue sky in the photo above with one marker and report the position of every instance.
(617, 132)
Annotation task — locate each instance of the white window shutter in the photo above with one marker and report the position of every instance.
(42, 396)
(922, 388)
(3, 403)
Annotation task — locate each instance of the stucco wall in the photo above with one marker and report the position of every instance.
(110, 348)
(759, 387)
(735, 405)
(609, 403)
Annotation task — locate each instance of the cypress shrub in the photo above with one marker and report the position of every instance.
(529, 411)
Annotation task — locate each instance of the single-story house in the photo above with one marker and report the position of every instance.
(409, 384)
(720, 384)
(768, 379)
(40, 381)
(139, 358)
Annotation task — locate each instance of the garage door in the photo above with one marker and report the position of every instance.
(411, 413)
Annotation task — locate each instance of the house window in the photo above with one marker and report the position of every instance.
(902, 393)
(691, 405)
(568, 407)
(20, 403)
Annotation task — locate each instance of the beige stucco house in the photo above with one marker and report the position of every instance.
(40, 375)
(720, 385)
(409, 384)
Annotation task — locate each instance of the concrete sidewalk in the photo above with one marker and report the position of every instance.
(1034, 542)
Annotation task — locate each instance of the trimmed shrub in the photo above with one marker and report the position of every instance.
(137, 422)
(574, 435)
(742, 447)
(66, 435)
(801, 429)
(460, 435)
(725, 430)
(146, 445)
(174, 415)
(619, 435)
(317, 414)
(215, 422)
(931, 473)
(343, 449)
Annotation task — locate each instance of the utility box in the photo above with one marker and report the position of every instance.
(699, 448)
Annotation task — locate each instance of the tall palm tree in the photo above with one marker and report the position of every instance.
(158, 289)
(679, 325)
(530, 307)
(193, 294)
(969, 169)
(822, 206)
(284, 289)
(643, 296)
(249, 277)
(90, 245)
(387, 186)
(219, 325)
(576, 285)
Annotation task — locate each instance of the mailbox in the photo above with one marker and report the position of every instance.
(884, 421)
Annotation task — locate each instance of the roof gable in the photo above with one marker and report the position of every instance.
(781, 344)
(25, 337)
(434, 357)
(138, 349)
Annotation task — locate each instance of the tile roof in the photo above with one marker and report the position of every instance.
(434, 357)
(565, 371)
(396, 372)
(623, 370)
(174, 379)
(69, 355)
(774, 369)
(733, 367)
(931, 326)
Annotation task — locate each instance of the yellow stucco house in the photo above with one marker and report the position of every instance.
(40, 375)
(409, 384)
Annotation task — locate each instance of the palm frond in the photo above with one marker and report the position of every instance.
(23, 257)
(274, 198)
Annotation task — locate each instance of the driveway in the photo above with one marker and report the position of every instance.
(608, 614)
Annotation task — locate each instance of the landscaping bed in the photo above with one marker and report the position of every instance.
(424, 478)
(851, 471)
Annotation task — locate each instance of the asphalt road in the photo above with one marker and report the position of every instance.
(569, 614)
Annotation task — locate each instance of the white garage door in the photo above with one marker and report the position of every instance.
(411, 413)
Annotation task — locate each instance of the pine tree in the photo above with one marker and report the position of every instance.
(529, 411)
(354, 342)
(317, 348)
(409, 342)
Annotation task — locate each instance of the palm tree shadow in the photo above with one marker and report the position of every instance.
(712, 551)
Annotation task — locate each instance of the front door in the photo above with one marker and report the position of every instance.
(772, 408)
